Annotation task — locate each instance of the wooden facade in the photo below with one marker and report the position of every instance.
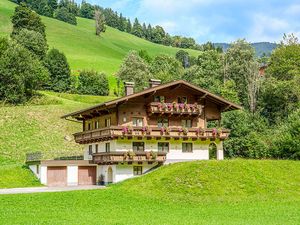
(177, 110)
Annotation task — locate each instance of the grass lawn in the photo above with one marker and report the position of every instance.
(203, 192)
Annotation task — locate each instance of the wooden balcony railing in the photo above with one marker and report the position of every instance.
(129, 157)
(149, 133)
(175, 108)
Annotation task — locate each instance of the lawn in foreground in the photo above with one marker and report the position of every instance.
(211, 192)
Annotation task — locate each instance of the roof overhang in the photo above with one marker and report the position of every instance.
(225, 104)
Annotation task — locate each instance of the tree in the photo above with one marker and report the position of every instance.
(183, 57)
(199, 76)
(93, 83)
(253, 83)
(128, 26)
(24, 18)
(63, 14)
(237, 60)
(134, 69)
(137, 29)
(20, 73)
(56, 63)
(100, 22)
(41, 7)
(86, 10)
(53, 5)
(33, 41)
(280, 93)
(166, 68)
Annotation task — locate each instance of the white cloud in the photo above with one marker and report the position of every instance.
(293, 9)
(267, 28)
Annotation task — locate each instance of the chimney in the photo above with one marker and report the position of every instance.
(128, 88)
(154, 83)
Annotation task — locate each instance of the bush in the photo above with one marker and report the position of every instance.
(60, 73)
(64, 15)
(93, 83)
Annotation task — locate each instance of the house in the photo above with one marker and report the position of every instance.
(139, 132)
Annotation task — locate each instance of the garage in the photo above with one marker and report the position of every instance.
(56, 176)
(86, 175)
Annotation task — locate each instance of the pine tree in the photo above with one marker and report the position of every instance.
(137, 29)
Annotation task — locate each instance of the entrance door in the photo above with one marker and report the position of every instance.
(110, 175)
(56, 176)
(212, 148)
(86, 175)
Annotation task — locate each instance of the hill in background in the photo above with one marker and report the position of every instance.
(260, 47)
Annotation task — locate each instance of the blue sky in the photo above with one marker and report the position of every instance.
(215, 20)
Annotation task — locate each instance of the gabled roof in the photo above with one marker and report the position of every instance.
(215, 98)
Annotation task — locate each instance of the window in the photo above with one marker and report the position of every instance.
(138, 146)
(182, 99)
(186, 123)
(187, 147)
(162, 122)
(159, 98)
(107, 147)
(89, 126)
(96, 125)
(96, 148)
(137, 170)
(90, 149)
(163, 146)
(107, 122)
(138, 122)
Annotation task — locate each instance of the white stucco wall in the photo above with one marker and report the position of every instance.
(43, 175)
(200, 148)
(34, 169)
(72, 175)
(121, 172)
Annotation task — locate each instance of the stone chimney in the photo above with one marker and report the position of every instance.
(128, 88)
(154, 83)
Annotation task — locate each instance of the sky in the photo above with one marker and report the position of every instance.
(215, 20)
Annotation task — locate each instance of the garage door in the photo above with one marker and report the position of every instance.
(57, 176)
(86, 175)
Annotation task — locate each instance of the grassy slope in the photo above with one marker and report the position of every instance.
(14, 174)
(39, 127)
(83, 48)
(207, 192)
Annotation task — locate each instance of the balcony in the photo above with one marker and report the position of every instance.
(114, 132)
(128, 157)
(175, 108)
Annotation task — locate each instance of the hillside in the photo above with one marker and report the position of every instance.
(82, 47)
(202, 192)
(38, 127)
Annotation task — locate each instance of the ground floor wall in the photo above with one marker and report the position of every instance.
(105, 173)
(200, 149)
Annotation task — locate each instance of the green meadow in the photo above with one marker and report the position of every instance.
(203, 192)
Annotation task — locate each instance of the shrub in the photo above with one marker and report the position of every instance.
(93, 83)
(60, 73)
